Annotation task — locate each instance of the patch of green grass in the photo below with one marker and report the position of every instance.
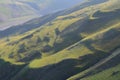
(106, 74)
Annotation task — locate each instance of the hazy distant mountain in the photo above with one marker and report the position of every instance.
(19, 11)
(48, 6)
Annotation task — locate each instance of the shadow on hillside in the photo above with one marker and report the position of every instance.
(112, 63)
(8, 70)
(69, 67)
(104, 19)
(63, 69)
(71, 34)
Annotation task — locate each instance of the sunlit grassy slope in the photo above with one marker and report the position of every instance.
(64, 28)
(64, 45)
(75, 58)
(107, 71)
(110, 74)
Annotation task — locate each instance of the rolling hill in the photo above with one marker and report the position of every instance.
(78, 43)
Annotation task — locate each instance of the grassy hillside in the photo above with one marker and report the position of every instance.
(63, 45)
(106, 71)
(74, 59)
(66, 30)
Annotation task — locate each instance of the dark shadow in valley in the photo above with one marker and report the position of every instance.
(8, 70)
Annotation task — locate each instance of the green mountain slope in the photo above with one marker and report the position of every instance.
(66, 44)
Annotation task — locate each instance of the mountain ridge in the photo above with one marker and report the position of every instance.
(12, 9)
